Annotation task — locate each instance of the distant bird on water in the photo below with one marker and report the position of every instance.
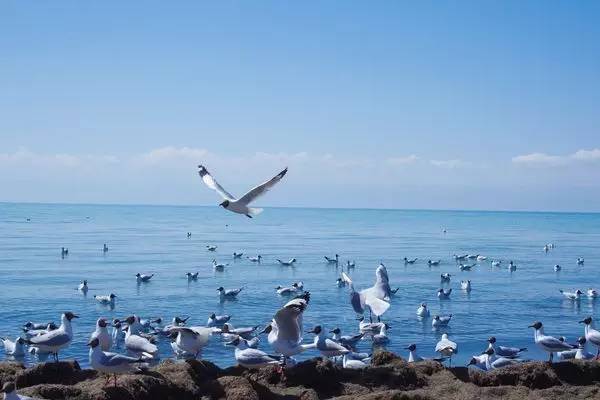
(240, 206)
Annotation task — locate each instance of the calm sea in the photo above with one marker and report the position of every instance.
(37, 284)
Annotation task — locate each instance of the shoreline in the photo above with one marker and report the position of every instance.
(389, 376)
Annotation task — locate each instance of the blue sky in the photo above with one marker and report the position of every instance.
(470, 105)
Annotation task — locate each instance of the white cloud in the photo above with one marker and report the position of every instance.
(587, 155)
(450, 164)
(543, 159)
(24, 157)
(399, 161)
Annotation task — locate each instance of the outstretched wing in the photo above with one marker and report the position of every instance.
(287, 323)
(376, 305)
(262, 188)
(213, 184)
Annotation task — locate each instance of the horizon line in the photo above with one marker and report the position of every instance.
(302, 207)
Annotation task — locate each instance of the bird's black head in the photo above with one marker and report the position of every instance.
(138, 275)
(412, 347)
(220, 289)
(112, 295)
(316, 330)
(225, 204)
(336, 331)
(536, 325)
(20, 340)
(581, 340)
(94, 343)
(69, 315)
(85, 282)
(130, 319)
(213, 316)
(472, 362)
(492, 339)
(102, 323)
(586, 321)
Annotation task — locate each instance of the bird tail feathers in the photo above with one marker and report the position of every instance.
(254, 211)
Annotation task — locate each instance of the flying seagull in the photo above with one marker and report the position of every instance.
(240, 205)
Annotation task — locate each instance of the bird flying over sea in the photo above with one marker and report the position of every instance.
(240, 206)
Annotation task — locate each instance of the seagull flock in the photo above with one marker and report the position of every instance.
(130, 344)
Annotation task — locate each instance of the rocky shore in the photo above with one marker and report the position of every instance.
(389, 377)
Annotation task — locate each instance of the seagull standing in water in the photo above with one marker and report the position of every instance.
(83, 286)
(287, 263)
(446, 347)
(240, 206)
(16, 348)
(56, 340)
(549, 344)
(367, 298)
(423, 311)
(229, 293)
(143, 278)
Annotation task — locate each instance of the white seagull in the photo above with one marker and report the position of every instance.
(592, 293)
(582, 354)
(229, 293)
(137, 344)
(16, 348)
(101, 333)
(83, 286)
(251, 358)
(440, 321)
(549, 344)
(591, 334)
(576, 295)
(366, 298)
(465, 285)
(240, 206)
(347, 341)
(446, 347)
(56, 340)
(444, 294)
(112, 363)
(434, 263)
(189, 341)
(503, 351)
(108, 299)
(219, 266)
(217, 320)
(382, 337)
(287, 263)
(143, 278)
(285, 330)
(423, 311)
(256, 259)
(326, 346)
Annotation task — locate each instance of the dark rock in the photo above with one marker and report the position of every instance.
(534, 375)
(64, 372)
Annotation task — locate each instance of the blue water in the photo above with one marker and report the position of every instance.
(37, 284)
